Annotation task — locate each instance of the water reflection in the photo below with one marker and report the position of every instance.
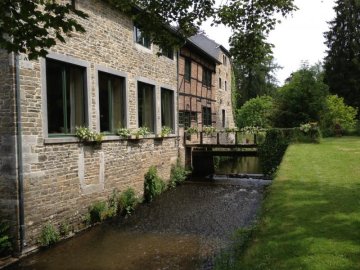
(248, 165)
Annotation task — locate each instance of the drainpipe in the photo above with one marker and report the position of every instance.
(19, 156)
(178, 99)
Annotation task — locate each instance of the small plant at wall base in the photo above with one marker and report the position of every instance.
(98, 211)
(86, 135)
(64, 229)
(123, 132)
(178, 175)
(153, 184)
(5, 243)
(49, 235)
(165, 131)
(128, 201)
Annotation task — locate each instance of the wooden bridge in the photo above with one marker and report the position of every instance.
(200, 148)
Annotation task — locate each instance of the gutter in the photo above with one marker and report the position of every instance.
(20, 167)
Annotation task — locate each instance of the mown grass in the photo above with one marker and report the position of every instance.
(311, 216)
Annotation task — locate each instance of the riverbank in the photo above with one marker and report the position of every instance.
(311, 216)
(184, 228)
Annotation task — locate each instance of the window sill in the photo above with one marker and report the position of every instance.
(60, 140)
(55, 140)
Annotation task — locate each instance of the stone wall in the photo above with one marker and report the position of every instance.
(223, 97)
(8, 161)
(62, 177)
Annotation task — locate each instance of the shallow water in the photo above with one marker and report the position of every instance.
(249, 165)
(184, 228)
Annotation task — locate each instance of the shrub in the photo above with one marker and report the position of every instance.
(64, 229)
(5, 243)
(178, 175)
(153, 184)
(49, 235)
(337, 113)
(301, 99)
(272, 151)
(255, 112)
(128, 201)
(98, 211)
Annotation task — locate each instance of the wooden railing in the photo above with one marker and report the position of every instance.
(220, 138)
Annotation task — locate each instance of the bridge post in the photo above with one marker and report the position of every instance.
(218, 138)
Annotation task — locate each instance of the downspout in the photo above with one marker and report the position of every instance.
(19, 155)
(178, 99)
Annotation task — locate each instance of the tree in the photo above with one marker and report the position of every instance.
(255, 80)
(22, 20)
(342, 63)
(33, 26)
(301, 99)
(255, 112)
(337, 113)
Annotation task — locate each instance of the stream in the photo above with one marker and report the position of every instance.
(184, 228)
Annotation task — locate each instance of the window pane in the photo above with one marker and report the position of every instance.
(206, 80)
(206, 114)
(141, 39)
(184, 118)
(65, 97)
(167, 108)
(112, 100)
(146, 108)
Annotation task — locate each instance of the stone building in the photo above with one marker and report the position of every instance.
(197, 87)
(223, 114)
(106, 78)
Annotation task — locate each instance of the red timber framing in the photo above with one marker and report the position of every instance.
(197, 94)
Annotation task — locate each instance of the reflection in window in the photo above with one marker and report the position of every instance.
(206, 115)
(146, 106)
(65, 97)
(167, 108)
(112, 102)
(141, 39)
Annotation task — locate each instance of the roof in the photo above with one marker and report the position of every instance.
(208, 45)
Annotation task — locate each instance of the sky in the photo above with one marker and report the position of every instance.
(297, 39)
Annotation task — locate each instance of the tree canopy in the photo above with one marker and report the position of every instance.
(255, 112)
(301, 99)
(33, 26)
(342, 63)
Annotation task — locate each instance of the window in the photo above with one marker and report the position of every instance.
(224, 60)
(187, 73)
(206, 79)
(146, 106)
(168, 52)
(220, 83)
(141, 39)
(167, 108)
(206, 115)
(223, 118)
(65, 84)
(225, 83)
(112, 102)
(185, 118)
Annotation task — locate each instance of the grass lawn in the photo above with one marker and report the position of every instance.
(311, 216)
